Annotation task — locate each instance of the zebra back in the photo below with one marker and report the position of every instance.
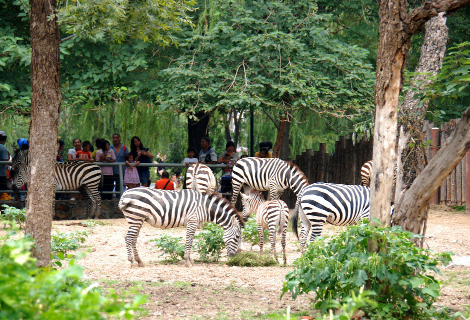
(200, 178)
(366, 173)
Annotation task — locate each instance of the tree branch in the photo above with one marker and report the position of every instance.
(67, 38)
(417, 17)
(272, 119)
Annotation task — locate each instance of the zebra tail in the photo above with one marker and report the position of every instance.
(282, 224)
(294, 220)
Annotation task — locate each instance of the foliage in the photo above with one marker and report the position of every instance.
(210, 242)
(399, 273)
(32, 293)
(250, 233)
(252, 259)
(351, 305)
(14, 214)
(172, 246)
(64, 242)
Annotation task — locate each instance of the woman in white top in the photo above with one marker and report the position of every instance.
(72, 154)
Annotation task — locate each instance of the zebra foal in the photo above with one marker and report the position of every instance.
(86, 177)
(337, 204)
(269, 215)
(171, 209)
(265, 174)
(200, 177)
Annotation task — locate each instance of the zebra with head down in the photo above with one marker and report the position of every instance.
(172, 209)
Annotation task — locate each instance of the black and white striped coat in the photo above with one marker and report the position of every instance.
(76, 175)
(337, 204)
(200, 178)
(269, 215)
(265, 174)
(171, 209)
(366, 173)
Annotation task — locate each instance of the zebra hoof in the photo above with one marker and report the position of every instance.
(188, 264)
(141, 265)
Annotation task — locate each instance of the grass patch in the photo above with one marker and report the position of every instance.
(252, 259)
(459, 208)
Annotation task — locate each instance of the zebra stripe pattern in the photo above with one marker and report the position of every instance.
(366, 173)
(200, 178)
(171, 209)
(337, 204)
(269, 215)
(264, 174)
(77, 175)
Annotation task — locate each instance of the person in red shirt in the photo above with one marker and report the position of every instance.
(85, 154)
(164, 183)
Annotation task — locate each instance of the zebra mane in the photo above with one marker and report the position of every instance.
(255, 193)
(294, 168)
(230, 207)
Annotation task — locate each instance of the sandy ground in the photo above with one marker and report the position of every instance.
(218, 291)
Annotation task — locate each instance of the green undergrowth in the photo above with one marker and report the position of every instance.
(252, 259)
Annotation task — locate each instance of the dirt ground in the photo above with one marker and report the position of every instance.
(217, 291)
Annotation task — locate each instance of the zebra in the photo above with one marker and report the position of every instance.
(200, 177)
(269, 215)
(366, 173)
(171, 209)
(86, 177)
(337, 204)
(264, 174)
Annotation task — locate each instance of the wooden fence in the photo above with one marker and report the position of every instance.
(344, 165)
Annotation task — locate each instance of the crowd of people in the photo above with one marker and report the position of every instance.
(136, 175)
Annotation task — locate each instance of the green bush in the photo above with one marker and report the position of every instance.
(250, 232)
(64, 242)
(210, 242)
(172, 246)
(28, 292)
(252, 259)
(13, 214)
(399, 273)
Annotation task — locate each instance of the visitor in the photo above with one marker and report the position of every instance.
(264, 145)
(226, 179)
(106, 155)
(85, 153)
(165, 183)
(244, 156)
(121, 152)
(263, 153)
(61, 144)
(190, 159)
(207, 155)
(143, 155)
(97, 144)
(72, 154)
(230, 150)
(131, 177)
(4, 156)
(176, 179)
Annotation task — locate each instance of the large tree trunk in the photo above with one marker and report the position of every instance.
(396, 28)
(411, 211)
(284, 153)
(45, 106)
(281, 128)
(197, 128)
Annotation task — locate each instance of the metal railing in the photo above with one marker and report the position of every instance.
(121, 173)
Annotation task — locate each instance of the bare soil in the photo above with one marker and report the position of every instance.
(217, 291)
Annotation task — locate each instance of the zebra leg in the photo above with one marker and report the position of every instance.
(261, 239)
(88, 196)
(272, 237)
(236, 187)
(131, 243)
(283, 242)
(190, 231)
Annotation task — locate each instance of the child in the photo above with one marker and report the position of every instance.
(190, 159)
(131, 177)
(226, 180)
(105, 154)
(85, 153)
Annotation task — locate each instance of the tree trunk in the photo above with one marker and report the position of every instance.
(396, 28)
(236, 121)
(228, 136)
(45, 106)
(412, 113)
(284, 153)
(198, 125)
(281, 127)
(411, 211)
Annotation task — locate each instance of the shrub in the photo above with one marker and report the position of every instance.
(399, 273)
(210, 242)
(28, 292)
(250, 232)
(14, 214)
(252, 259)
(172, 246)
(64, 242)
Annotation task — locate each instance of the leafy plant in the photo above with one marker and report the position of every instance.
(399, 273)
(64, 242)
(252, 259)
(14, 214)
(35, 293)
(172, 246)
(250, 232)
(210, 242)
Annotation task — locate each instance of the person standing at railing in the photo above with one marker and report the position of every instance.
(120, 151)
(72, 154)
(207, 155)
(165, 183)
(85, 153)
(143, 155)
(131, 178)
(106, 155)
(4, 156)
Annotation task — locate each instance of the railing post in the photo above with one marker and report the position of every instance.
(121, 179)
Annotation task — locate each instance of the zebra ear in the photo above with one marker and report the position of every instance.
(244, 196)
(235, 221)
